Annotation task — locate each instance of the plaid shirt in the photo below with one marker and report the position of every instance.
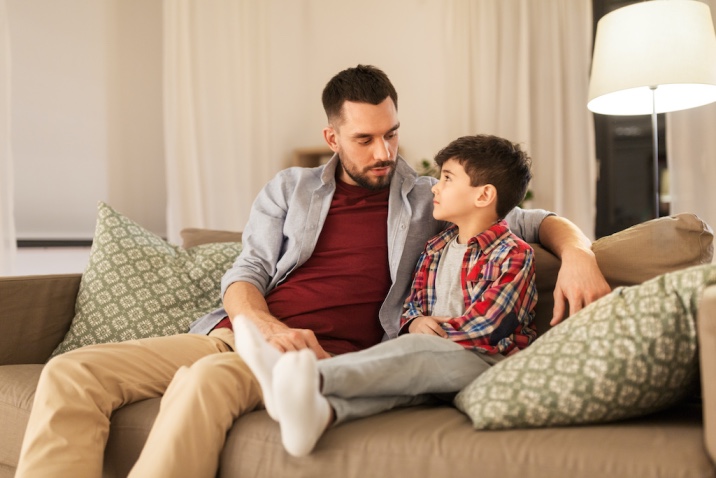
(498, 285)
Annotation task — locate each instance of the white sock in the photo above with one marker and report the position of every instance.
(259, 355)
(304, 413)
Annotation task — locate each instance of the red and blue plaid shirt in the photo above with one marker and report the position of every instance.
(498, 284)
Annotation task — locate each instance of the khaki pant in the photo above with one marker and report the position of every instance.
(204, 390)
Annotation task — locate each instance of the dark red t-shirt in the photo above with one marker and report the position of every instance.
(338, 292)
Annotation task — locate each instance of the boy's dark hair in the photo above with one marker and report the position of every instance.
(362, 84)
(492, 160)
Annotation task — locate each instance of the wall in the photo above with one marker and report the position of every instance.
(86, 113)
(87, 77)
(320, 38)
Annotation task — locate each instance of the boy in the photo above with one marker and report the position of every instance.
(474, 286)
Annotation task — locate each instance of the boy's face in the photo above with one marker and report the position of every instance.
(366, 140)
(454, 196)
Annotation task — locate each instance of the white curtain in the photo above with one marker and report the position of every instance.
(7, 220)
(215, 111)
(520, 69)
(691, 152)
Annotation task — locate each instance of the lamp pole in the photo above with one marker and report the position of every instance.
(655, 147)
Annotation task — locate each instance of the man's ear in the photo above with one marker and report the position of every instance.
(330, 135)
(486, 196)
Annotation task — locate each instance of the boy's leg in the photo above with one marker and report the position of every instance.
(259, 355)
(412, 364)
(197, 410)
(78, 391)
(346, 409)
(303, 413)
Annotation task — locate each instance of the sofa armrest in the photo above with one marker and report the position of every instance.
(706, 324)
(35, 314)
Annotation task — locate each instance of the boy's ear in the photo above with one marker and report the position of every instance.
(329, 134)
(486, 196)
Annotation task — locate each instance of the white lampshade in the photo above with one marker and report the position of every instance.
(667, 44)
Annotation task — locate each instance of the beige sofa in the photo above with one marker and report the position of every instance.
(35, 313)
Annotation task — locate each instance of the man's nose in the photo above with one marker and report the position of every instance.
(382, 150)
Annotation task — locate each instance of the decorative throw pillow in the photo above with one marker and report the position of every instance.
(630, 353)
(137, 285)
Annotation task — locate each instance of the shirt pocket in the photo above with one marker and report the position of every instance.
(481, 278)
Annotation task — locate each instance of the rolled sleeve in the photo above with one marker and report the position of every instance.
(525, 223)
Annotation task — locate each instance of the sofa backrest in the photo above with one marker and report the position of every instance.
(625, 258)
(632, 256)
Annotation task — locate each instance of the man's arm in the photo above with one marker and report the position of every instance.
(579, 281)
(243, 298)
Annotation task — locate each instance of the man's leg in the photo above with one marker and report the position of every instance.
(197, 410)
(78, 391)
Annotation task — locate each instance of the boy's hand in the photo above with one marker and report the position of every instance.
(429, 325)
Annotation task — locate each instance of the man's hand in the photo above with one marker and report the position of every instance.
(579, 283)
(287, 339)
(428, 325)
(242, 298)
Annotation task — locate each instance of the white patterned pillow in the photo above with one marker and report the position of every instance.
(137, 285)
(630, 353)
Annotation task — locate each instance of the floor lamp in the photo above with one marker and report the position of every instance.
(654, 57)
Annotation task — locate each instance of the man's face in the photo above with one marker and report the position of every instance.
(366, 140)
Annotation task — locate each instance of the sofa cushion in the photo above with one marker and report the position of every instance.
(17, 390)
(194, 236)
(137, 285)
(627, 354)
(441, 442)
(654, 247)
(35, 314)
(128, 432)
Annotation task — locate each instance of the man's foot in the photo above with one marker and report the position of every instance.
(259, 355)
(304, 414)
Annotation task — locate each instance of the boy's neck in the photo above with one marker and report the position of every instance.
(469, 228)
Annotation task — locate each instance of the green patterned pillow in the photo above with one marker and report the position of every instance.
(137, 285)
(630, 353)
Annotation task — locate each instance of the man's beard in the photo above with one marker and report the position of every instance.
(362, 179)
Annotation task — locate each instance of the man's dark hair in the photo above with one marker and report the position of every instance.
(492, 160)
(362, 84)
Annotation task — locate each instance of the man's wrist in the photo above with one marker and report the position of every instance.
(577, 252)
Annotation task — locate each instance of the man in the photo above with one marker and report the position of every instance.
(306, 244)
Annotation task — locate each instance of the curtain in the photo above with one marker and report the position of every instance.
(520, 69)
(215, 111)
(7, 220)
(691, 152)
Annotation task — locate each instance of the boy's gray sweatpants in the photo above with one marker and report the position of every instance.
(405, 371)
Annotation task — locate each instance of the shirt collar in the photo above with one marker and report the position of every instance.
(485, 241)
